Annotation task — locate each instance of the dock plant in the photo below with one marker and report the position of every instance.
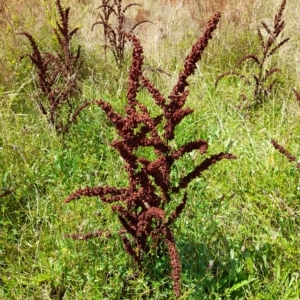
(291, 158)
(260, 79)
(112, 17)
(58, 74)
(5, 193)
(143, 207)
(297, 95)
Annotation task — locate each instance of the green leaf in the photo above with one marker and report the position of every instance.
(240, 284)
(249, 264)
(42, 277)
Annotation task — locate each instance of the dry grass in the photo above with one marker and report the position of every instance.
(164, 13)
(177, 23)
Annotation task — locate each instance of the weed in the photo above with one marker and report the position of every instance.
(297, 95)
(285, 152)
(142, 207)
(114, 36)
(58, 75)
(5, 193)
(269, 46)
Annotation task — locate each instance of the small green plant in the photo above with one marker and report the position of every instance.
(114, 28)
(58, 75)
(269, 46)
(143, 206)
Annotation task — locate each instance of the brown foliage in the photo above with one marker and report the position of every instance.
(141, 205)
(58, 74)
(297, 95)
(6, 193)
(269, 46)
(114, 35)
(285, 152)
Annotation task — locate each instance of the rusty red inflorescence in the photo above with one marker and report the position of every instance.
(285, 152)
(58, 75)
(270, 44)
(141, 207)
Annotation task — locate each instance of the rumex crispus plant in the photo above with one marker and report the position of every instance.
(291, 158)
(113, 19)
(269, 46)
(297, 95)
(5, 193)
(58, 75)
(142, 206)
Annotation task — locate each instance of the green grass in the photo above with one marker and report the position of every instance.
(238, 236)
